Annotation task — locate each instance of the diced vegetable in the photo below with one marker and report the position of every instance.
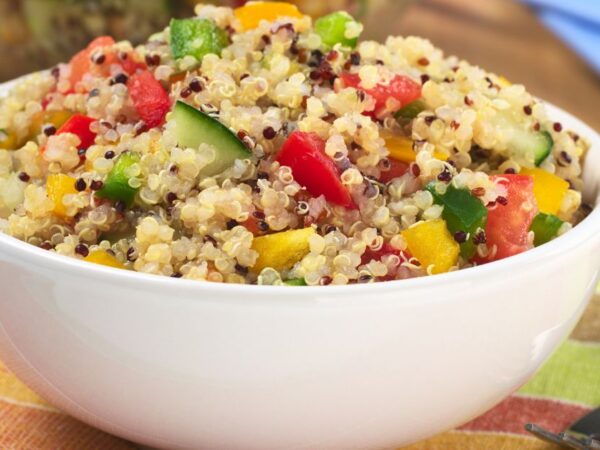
(305, 154)
(377, 255)
(463, 213)
(116, 186)
(401, 148)
(252, 13)
(333, 29)
(197, 38)
(549, 189)
(411, 110)
(281, 250)
(8, 140)
(80, 63)
(79, 125)
(104, 258)
(545, 227)
(433, 245)
(57, 186)
(194, 128)
(150, 99)
(295, 282)
(397, 169)
(54, 118)
(508, 225)
(390, 97)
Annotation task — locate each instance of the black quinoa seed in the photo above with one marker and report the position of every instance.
(130, 254)
(195, 85)
(444, 176)
(120, 206)
(171, 197)
(24, 177)
(324, 281)
(510, 170)
(94, 93)
(176, 275)
(557, 127)
(231, 224)
(80, 185)
(429, 119)
(355, 58)
(527, 110)
(46, 245)
(269, 133)
(502, 200)
(415, 169)
(82, 249)
(109, 154)
(480, 238)
(49, 130)
(262, 225)
(185, 93)
(424, 78)
(55, 72)
(258, 214)
(566, 157)
(242, 270)
(468, 101)
(460, 236)
(99, 59)
(364, 278)
(120, 78)
(262, 175)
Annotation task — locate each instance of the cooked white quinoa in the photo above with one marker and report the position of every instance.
(187, 225)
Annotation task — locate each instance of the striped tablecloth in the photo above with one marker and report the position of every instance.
(566, 387)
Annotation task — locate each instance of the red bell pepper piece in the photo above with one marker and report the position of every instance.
(80, 63)
(508, 225)
(397, 169)
(305, 154)
(400, 88)
(150, 99)
(80, 125)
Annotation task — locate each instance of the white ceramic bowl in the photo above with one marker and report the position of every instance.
(181, 364)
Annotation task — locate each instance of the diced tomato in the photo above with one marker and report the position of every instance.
(376, 255)
(397, 169)
(305, 154)
(129, 64)
(80, 125)
(400, 88)
(508, 225)
(150, 99)
(80, 63)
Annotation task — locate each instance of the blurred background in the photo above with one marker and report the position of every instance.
(551, 46)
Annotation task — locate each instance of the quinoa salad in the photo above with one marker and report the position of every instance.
(259, 145)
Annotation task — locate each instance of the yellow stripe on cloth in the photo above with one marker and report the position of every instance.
(468, 440)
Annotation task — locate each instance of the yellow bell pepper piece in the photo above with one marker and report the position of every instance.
(401, 148)
(57, 186)
(433, 245)
(503, 81)
(281, 250)
(8, 140)
(549, 189)
(54, 118)
(252, 13)
(104, 258)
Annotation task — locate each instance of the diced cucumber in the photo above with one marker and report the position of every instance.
(411, 110)
(332, 29)
(539, 144)
(116, 186)
(545, 227)
(295, 282)
(193, 128)
(197, 38)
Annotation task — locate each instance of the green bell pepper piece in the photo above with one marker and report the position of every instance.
(116, 186)
(462, 212)
(411, 110)
(197, 38)
(545, 227)
(332, 29)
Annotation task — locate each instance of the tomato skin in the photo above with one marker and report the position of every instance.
(397, 169)
(80, 125)
(150, 99)
(401, 88)
(508, 225)
(80, 63)
(305, 154)
(376, 255)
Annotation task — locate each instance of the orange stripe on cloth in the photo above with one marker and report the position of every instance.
(468, 440)
(25, 428)
(512, 414)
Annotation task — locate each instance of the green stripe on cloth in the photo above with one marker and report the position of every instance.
(570, 374)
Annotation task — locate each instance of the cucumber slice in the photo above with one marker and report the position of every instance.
(332, 29)
(196, 37)
(295, 282)
(193, 128)
(539, 144)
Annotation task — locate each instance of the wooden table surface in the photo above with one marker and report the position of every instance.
(504, 37)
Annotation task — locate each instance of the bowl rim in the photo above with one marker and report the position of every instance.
(581, 234)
